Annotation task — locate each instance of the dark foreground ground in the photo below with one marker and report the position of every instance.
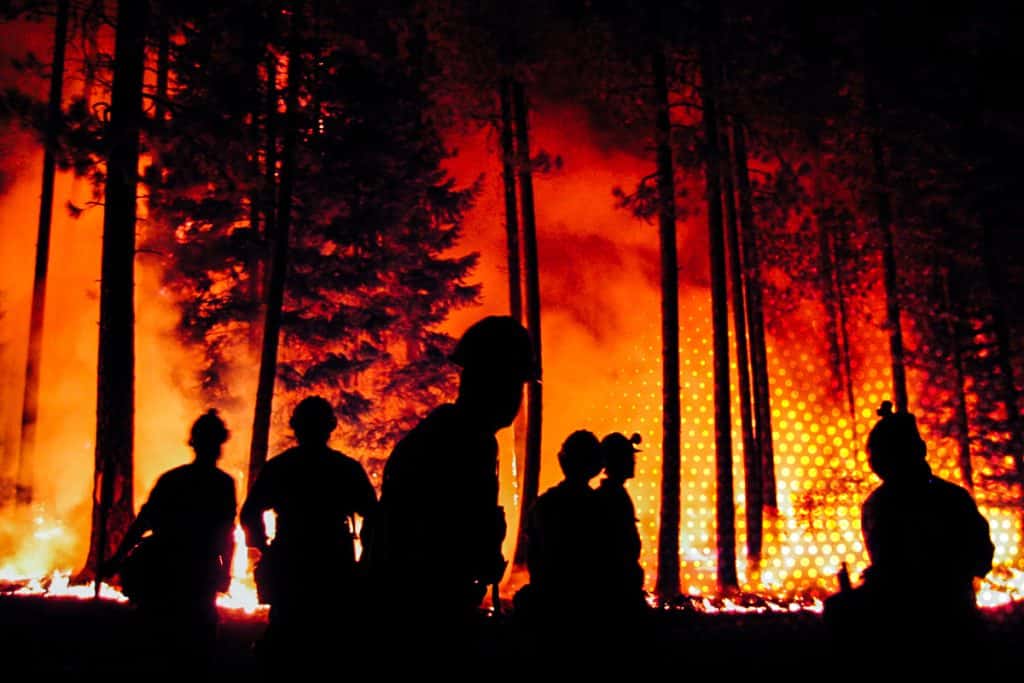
(44, 638)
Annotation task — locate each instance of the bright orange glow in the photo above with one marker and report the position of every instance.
(602, 371)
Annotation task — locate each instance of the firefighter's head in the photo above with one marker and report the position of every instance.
(619, 455)
(313, 421)
(207, 436)
(580, 456)
(496, 356)
(896, 450)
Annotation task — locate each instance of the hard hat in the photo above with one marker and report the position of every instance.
(497, 342)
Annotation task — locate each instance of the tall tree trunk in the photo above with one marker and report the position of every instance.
(953, 331)
(828, 296)
(753, 484)
(508, 176)
(115, 396)
(755, 316)
(515, 279)
(278, 255)
(883, 208)
(531, 466)
(725, 506)
(163, 68)
(268, 195)
(1011, 399)
(30, 404)
(839, 256)
(833, 299)
(254, 51)
(667, 585)
(892, 306)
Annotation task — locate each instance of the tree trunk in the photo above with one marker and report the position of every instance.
(515, 280)
(667, 585)
(883, 208)
(531, 466)
(755, 315)
(278, 256)
(268, 195)
(833, 299)
(751, 458)
(725, 507)
(508, 176)
(828, 298)
(30, 404)
(163, 67)
(115, 398)
(839, 256)
(1011, 400)
(963, 433)
(254, 257)
(892, 306)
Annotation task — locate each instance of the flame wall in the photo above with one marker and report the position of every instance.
(601, 322)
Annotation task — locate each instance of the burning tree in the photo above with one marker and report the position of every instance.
(374, 217)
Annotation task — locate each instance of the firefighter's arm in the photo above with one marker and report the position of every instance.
(226, 538)
(142, 523)
(251, 515)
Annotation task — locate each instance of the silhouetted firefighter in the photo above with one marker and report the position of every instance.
(562, 534)
(307, 574)
(174, 574)
(622, 588)
(439, 529)
(927, 543)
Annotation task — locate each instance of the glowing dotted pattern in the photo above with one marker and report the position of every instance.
(820, 464)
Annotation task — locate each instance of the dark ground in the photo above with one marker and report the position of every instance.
(85, 640)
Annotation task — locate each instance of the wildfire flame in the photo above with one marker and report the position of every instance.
(602, 372)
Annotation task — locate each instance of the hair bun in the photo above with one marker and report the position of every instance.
(635, 439)
(885, 410)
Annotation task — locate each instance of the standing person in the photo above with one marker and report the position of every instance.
(440, 529)
(623, 577)
(307, 573)
(174, 575)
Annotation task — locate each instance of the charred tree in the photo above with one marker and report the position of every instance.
(755, 315)
(883, 213)
(515, 275)
(30, 403)
(258, 227)
(834, 300)
(278, 255)
(531, 465)
(508, 177)
(115, 397)
(270, 163)
(163, 68)
(725, 508)
(963, 434)
(1004, 358)
(667, 585)
(839, 256)
(751, 457)
(826, 273)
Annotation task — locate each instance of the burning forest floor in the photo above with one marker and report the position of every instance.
(51, 637)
